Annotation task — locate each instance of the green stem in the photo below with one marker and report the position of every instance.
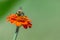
(16, 33)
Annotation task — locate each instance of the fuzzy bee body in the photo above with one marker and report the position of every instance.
(20, 13)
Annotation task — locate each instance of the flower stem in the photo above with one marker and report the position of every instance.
(16, 33)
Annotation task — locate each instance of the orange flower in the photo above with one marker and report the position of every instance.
(19, 20)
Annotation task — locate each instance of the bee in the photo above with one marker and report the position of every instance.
(20, 12)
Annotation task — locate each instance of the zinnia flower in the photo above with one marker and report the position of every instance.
(19, 20)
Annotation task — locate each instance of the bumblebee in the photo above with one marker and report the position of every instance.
(20, 12)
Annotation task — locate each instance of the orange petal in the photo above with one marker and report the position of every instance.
(18, 24)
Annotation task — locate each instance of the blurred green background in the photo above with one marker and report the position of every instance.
(45, 16)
